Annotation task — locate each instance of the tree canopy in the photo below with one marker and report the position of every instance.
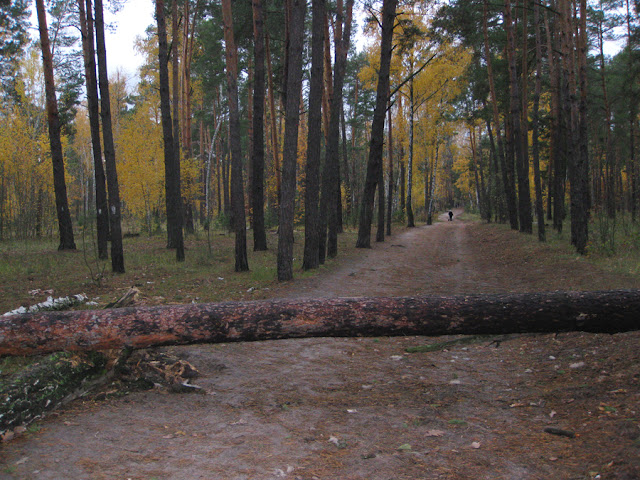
(499, 107)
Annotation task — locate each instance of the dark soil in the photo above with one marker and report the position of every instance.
(516, 407)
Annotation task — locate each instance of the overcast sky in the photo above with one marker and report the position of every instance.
(128, 23)
(131, 22)
(137, 15)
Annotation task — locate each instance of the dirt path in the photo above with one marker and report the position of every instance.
(366, 408)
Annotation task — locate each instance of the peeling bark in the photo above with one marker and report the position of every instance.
(604, 311)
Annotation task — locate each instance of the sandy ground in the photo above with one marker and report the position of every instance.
(366, 408)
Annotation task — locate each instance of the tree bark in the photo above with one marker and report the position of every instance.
(330, 199)
(522, 162)
(526, 224)
(390, 188)
(474, 166)
(172, 183)
(507, 173)
(374, 163)
(432, 184)
(237, 194)
(403, 175)
(115, 226)
(380, 229)
(633, 107)
(311, 258)
(327, 89)
(290, 142)
(580, 201)
(410, 219)
(331, 187)
(65, 227)
(552, 312)
(174, 48)
(89, 55)
(273, 120)
(257, 156)
(557, 140)
(536, 126)
(185, 100)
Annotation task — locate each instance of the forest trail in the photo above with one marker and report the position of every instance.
(452, 258)
(366, 408)
(435, 259)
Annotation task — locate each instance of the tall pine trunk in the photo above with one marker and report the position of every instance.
(188, 30)
(330, 198)
(633, 108)
(237, 194)
(580, 201)
(374, 163)
(558, 140)
(65, 227)
(526, 224)
(172, 184)
(115, 216)
(522, 162)
(390, 188)
(312, 170)
(610, 154)
(348, 187)
(175, 104)
(566, 98)
(380, 229)
(554, 120)
(536, 125)
(327, 89)
(89, 55)
(409, 199)
(290, 143)
(506, 167)
(273, 120)
(257, 156)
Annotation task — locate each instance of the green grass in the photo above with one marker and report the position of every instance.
(207, 275)
(204, 276)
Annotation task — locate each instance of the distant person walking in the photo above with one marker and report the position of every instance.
(450, 215)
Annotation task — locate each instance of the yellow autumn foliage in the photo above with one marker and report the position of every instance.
(141, 162)
(27, 206)
(435, 88)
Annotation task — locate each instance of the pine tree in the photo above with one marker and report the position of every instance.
(374, 163)
(65, 227)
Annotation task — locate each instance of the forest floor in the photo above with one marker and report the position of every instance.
(367, 408)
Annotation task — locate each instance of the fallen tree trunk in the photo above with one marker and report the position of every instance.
(138, 327)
